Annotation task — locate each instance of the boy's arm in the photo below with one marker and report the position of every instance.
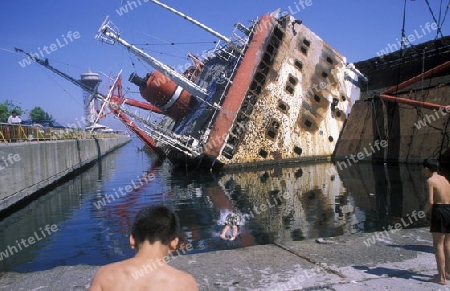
(192, 284)
(95, 284)
(430, 199)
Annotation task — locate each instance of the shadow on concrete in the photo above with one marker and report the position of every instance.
(416, 248)
(388, 272)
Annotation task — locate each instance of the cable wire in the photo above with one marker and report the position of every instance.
(434, 18)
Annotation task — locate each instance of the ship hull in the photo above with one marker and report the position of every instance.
(288, 101)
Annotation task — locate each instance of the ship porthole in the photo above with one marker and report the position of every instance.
(289, 89)
(330, 138)
(298, 150)
(263, 153)
(283, 106)
(298, 65)
(292, 80)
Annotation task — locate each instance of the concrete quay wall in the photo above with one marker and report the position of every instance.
(28, 167)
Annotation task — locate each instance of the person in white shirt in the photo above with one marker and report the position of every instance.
(14, 119)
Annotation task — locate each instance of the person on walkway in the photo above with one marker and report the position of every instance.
(154, 234)
(439, 204)
(13, 118)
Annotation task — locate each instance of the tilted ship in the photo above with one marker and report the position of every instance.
(273, 92)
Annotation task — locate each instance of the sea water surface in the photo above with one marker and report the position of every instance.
(303, 201)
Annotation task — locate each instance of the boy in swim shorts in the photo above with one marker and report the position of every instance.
(439, 204)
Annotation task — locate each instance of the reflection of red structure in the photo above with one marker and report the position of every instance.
(222, 202)
(192, 227)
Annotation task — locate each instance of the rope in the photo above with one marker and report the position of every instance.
(174, 43)
(51, 76)
(403, 36)
(445, 15)
(434, 18)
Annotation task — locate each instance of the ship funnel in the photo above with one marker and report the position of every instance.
(136, 80)
(109, 33)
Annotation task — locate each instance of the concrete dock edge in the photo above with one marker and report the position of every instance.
(403, 260)
(28, 167)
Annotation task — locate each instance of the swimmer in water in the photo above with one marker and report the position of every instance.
(231, 221)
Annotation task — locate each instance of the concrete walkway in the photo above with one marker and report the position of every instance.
(402, 261)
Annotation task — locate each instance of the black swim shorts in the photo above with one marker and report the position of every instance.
(440, 218)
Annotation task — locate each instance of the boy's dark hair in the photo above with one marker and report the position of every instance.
(155, 223)
(432, 164)
(14, 112)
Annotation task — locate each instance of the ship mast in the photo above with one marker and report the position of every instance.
(109, 33)
(199, 24)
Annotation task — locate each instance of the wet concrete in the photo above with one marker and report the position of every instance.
(401, 261)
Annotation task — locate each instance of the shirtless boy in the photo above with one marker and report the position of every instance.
(154, 235)
(439, 204)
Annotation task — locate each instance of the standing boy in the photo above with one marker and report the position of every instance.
(154, 235)
(439, 204)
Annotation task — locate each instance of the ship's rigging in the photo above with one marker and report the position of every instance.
(407, 54)
(157, 134)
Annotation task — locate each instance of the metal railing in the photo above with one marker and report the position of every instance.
(27, 133)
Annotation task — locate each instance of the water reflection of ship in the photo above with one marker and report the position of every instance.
(363, 197)
(294, 203)
(201, 203)
(314, 200)
(321, 202)
(307, 201)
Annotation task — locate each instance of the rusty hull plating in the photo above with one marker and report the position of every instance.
(293, 95)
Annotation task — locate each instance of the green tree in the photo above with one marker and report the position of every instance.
(6, 108)
(37, 113)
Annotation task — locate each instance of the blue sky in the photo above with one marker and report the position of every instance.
(357, 29)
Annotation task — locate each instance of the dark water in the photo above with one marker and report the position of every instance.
(281, 204)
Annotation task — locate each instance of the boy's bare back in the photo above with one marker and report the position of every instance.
(154, 235)
(134, 274)
(439, 189)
